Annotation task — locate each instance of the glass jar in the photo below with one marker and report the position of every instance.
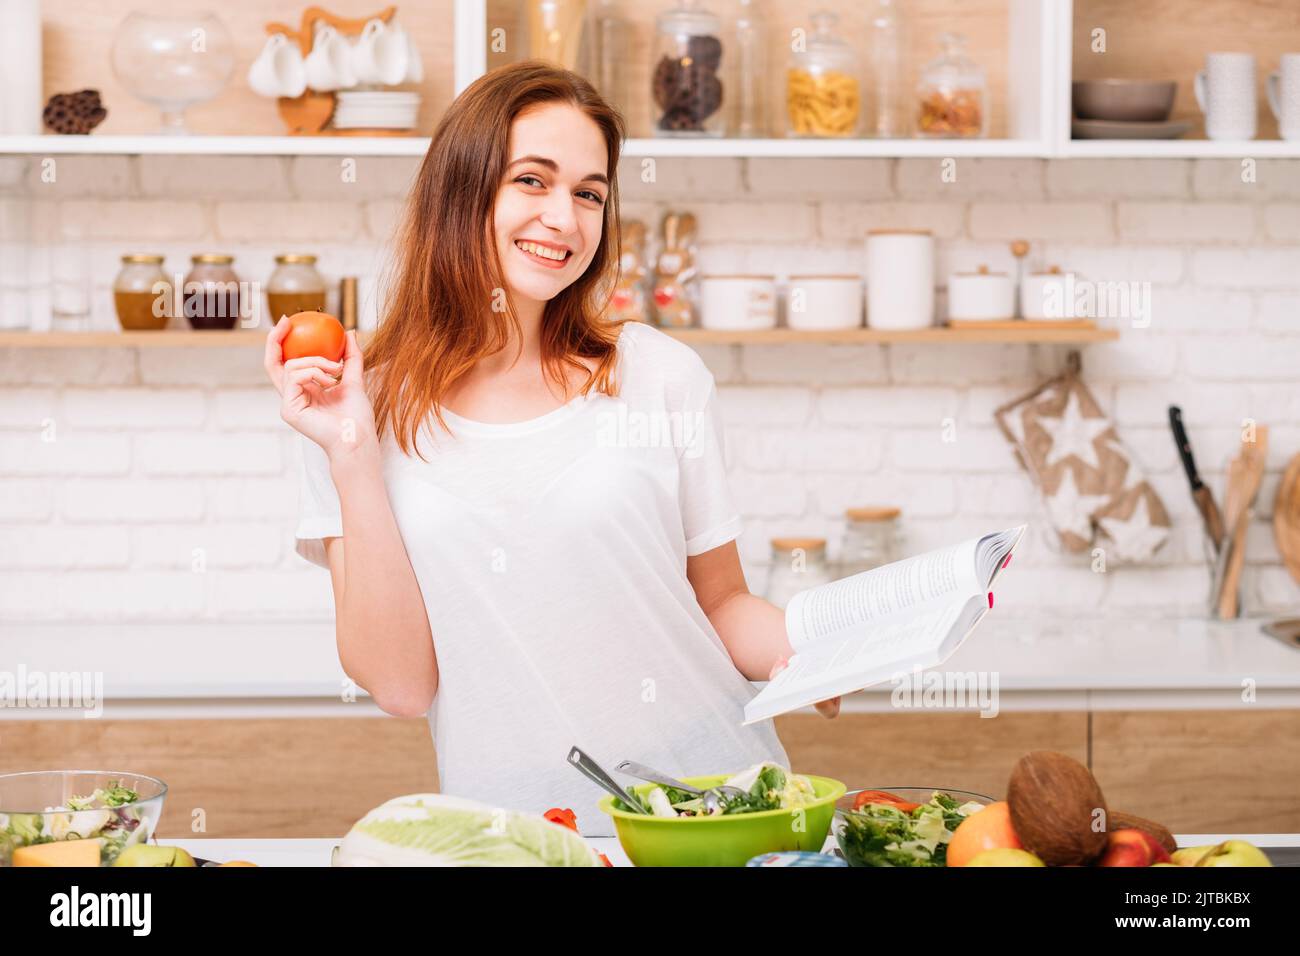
(797, 564)
(870, 539)
(212, 292)
(685, 85)
(142, 295)
(823, 89)
(295, 286)
(751, 73)
(952, 96)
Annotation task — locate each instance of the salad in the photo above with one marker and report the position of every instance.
(766, 786)
(885, 830)
(105, 815)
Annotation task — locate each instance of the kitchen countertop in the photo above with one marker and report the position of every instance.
(291, 668)
(317, 852)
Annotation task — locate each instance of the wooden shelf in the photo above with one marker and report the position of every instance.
(932, 336)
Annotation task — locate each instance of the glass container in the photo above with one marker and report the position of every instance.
(212, 292)
(173, 61)
(686, 85)
(797, 564)
(870, 539)
(142, 294)
(952, 95)
(294, 286)
(823, 85)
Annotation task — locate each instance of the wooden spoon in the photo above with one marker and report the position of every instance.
(1286, 518)
(1244, 475)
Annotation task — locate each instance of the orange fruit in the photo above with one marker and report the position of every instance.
(987, 829)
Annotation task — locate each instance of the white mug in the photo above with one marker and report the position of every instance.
(381, 54)
(1283, 89)
(278, 69)
(414, 65)
(329, 64)
(1225, 92)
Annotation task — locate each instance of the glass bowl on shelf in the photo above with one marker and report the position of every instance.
(173, 61)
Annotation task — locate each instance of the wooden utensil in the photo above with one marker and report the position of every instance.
(1244, 475)
(1286, 518)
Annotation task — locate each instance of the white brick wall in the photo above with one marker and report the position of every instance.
(159, 457)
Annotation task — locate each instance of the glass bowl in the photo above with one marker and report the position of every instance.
(26, 817)
(844, 805)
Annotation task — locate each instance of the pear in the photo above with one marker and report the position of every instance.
(150, 854)
(1005, 856)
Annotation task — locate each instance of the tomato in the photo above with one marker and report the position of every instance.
(882, 796)
(314, 333)
(565, 818)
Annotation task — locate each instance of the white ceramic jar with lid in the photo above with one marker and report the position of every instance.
(981, 295)
(900, 279)
(1043, 295)
(823, 302)
(737, 303)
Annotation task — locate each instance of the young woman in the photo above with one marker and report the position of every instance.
(523, 507)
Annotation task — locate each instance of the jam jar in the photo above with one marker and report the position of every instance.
(211, 289)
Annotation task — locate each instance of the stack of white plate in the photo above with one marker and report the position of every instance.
(376, 109)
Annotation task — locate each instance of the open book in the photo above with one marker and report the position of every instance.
(868, 627)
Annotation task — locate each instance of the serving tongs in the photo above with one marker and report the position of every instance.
(597, 775)
(713, 797)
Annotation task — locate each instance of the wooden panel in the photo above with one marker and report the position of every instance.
(78, 39)
(984, 22)
(1168, 40)
(958, 750)
(1202, 771)
(252, 778)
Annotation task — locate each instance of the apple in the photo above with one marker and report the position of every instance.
(1005, 856)
(150, 854)
(987, 829)
(1235, 853)
(1190, 855)
(1131, 847)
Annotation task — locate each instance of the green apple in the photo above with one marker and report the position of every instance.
(1190, 855)
(1005, 856)
(150, 854)
(1235, 853)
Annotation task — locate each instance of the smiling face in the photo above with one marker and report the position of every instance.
(550, 207)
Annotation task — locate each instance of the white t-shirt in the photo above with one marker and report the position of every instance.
(551, 555)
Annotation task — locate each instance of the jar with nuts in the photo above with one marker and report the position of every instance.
(686, 81)
(823, 92)
(952, 99)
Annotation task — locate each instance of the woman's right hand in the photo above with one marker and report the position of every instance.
(324, 400)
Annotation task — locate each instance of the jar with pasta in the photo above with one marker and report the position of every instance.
(952, 98)
(823, 88)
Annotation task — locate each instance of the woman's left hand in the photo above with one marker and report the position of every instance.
(827, 708)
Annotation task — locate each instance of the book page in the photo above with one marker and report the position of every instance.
(877, 651)
(840, 606)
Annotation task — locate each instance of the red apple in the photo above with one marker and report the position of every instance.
(1132, 848)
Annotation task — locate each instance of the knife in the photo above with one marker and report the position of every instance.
(1201, 494)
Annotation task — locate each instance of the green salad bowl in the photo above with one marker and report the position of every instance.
(726, 840)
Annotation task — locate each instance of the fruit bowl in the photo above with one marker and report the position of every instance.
(119, 810)
(918, 795)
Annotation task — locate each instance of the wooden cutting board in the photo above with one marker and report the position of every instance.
(1286, 518)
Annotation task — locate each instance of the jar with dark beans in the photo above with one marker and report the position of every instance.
(685, 84)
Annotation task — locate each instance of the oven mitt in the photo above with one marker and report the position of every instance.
(1093, 491)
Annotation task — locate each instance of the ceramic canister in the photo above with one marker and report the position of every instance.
(824, 302)
(1043, 294)
(900, 279)
(981, 295)
(736, 303)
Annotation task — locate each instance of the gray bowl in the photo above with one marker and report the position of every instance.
(1143, 101)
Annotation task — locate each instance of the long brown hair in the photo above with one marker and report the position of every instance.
(448, 306)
